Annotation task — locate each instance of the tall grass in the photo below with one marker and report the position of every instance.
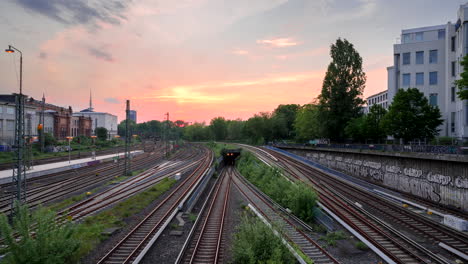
(298, 197)
(254, 242)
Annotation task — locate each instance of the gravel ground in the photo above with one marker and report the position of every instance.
(106, 245)
(167, 247)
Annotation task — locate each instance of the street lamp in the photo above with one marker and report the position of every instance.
(93, 153)
(19, 173)
(69, 148)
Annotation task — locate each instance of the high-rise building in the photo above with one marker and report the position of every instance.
(133, 115)
(428, 58)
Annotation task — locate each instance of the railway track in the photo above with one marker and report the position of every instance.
(398, 246)
(77, 181)
(132, 247)
(127, 188)
(293, 228)
(208, 235)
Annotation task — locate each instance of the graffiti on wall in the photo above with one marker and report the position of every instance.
(425, 184)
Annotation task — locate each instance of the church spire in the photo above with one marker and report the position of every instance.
(90, 101)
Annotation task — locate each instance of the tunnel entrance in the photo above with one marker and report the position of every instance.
(230, 156)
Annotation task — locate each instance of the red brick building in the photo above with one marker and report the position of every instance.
(63, 120)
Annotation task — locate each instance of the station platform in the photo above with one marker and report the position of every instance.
(40, 170)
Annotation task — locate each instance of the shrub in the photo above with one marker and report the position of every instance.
(298, 197)
(256, 243)
(51, 243)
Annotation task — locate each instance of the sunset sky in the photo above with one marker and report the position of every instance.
(197, 59)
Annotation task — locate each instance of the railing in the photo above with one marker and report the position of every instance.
(434, 149)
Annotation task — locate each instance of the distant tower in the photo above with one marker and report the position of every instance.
(90, 101)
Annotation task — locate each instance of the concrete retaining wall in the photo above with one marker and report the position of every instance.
(440, 181)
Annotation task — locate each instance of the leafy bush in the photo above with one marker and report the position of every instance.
(42, 239)
(256, 243)
(295, 196)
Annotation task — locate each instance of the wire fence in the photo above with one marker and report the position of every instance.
(433, 149)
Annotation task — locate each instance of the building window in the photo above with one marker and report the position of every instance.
(1, 109)
(453, 43)
(406, 38)
(10, 110)
(433, 56)
(441, 34)
(452, 94)
(453, 68)
(420, 78)
(433, 99)
(433, 78)
(419, 36)
(406, 58)
(406, 79)
(10, 125)
(452, 122)
(419, 57)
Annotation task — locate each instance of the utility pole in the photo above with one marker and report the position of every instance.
(19, 173)
(128, 137)
(43, 124)
(167, 134)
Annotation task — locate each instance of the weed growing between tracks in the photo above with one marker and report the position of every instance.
(332, 237)
(255, 242)
(114, 217)
(42, 239)
(299, 198)
(67, 244)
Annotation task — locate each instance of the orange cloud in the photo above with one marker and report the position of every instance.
(279, 42)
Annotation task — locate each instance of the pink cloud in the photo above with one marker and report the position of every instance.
(279, 42)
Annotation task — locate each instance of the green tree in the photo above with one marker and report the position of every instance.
(197, 132)
(121, 128)
(344, 82)
(373, 124)
(462, 83)
(258, 129)
(41, 239)
(235, 129)
(101, 133)
(49, 140)
(356, 129)
(283, 120)
(410, 116)
(307, 125)
(218, 126)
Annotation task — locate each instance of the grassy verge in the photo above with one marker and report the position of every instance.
(254, 242)
(93, 226)
(300, 199)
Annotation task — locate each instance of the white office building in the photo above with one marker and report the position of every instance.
(377, 99)
(99, 119)
(428, 58)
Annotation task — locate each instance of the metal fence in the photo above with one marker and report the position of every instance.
(433, 149)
